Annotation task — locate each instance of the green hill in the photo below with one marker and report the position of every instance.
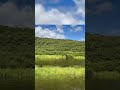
(16, 47)
(102, 55)
(45, 46)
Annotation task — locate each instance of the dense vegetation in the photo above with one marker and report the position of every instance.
(16, 47)
(45, 46)
(58, 62)
(59, 78)
(102, 62)
(103, 56)
(16, 58)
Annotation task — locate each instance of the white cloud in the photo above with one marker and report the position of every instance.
(46, 33)
(82, 39)
(80, 4)
(75, 28)
(11, 15)
(59, 28)
(55, 16)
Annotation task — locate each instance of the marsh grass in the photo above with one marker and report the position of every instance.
(59, 60)
(59, 72)
(59, 78)
(17, 74)
(107, 75)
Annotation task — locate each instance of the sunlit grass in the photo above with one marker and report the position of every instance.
(59, 72)
(59, 60)
(47, 57)
(59, 78)
(79, 57)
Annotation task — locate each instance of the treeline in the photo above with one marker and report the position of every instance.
(45, 46)
(102, 53)
(16, 47)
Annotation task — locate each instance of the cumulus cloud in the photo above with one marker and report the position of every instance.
(55, 16)
(80, 4)
(46, 33)
(11, 15)
(75, 28)
(59, 28)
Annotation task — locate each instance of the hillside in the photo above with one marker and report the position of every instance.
(16, 47)
(45, 46)
(102, 52)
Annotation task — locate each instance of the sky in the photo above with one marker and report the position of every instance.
(103, 17)
(60, 19)
(72, 32)
(17, 13)
(100, 16)
(60, 12)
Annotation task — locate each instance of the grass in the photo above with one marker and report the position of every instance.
(59, 60)
(59, 78)
(17, 74)
(47, 57)
(17, 79)
(55, 72)
(107, 75)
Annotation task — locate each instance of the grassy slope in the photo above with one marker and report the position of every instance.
(102, 56)
(16, 54)
(16, 47)
(53, 71)
(58, 47)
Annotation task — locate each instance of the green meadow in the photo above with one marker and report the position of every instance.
(59, 65)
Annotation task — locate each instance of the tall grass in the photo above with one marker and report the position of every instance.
(59, 78)
(79, 57)
(59, 72)
(16, 74)
(59, 60)
(107, 75)
(47, 57)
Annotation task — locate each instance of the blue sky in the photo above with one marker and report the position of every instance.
(20, 3)
(60, 12)
(57, 4)
(60, 19)
(72, 32)
(103, 17)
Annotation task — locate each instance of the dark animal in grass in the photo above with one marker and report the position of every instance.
(66, 57)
